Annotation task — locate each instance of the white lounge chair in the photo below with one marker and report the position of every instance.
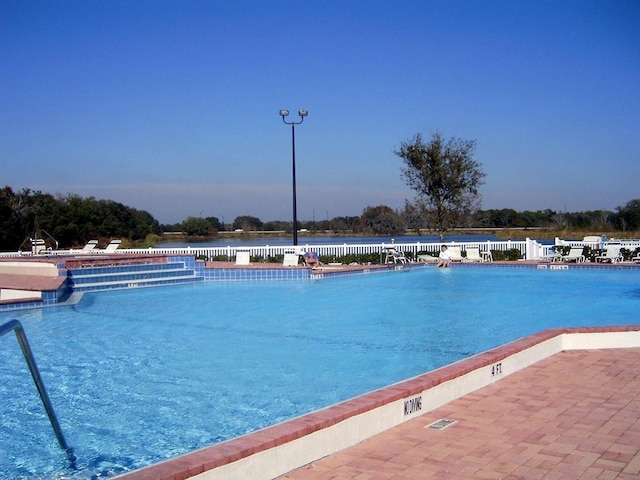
(554, 255)
(574, 255)
(91, 244)
(612, 255)
(291, 260)
(113, 246)
(473, 255)
(243, 257)
(454, 254)
(394, 256)
(636, 259)
(426, 258)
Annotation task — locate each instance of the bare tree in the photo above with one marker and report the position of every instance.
(444, 176)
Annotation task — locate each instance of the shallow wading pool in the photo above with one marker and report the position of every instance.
(138, 376)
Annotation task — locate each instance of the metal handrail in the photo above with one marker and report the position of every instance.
(15, 325)
(51, 237)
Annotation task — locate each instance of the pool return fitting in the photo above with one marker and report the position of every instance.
(16, 326)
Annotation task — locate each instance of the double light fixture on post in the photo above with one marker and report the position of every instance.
(302, 114)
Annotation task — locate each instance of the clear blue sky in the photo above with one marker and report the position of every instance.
(172, 106)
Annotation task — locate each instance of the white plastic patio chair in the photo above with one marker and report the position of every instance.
(394, 256)
(91, 244)
(612, 255)
(454, 254)
(473, 255)
(574, 255)
(113, 246)
(291, 260)
(243, 257)
(554, 255)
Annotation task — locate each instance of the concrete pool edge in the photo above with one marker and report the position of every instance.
(21, 289)
(279, 449)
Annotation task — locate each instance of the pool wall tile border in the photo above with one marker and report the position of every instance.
(243, 275)
(294, 273)
(279, 449)
(198, 271)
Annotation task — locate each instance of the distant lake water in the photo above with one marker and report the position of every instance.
(332, 240)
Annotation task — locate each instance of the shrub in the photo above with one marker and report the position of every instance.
(362, 258)
(433, 253)
(512, 254)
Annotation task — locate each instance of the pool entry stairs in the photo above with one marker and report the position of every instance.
(108, 277)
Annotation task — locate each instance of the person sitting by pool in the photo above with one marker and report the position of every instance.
(444, 259)
(311, 259)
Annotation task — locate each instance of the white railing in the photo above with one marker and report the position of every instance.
(529, 249)
(629, 244)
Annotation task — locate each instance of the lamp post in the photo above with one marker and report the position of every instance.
(302, 114)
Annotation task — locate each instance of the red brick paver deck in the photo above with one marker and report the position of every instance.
(575, 415)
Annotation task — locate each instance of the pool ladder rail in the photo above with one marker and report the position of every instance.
(15, 325)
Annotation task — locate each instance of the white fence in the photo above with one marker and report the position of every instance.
(600, 243)
(529, 249)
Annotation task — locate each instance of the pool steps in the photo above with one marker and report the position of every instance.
(94, 279)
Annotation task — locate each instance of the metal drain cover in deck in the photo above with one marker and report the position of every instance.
(441, 424)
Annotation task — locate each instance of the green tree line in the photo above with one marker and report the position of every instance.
(73, 220)
(383, 220)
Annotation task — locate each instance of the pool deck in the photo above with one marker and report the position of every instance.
(573, 415)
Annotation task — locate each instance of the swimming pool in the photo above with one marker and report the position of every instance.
(137, 376)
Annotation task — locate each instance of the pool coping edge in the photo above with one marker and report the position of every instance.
(281, 448)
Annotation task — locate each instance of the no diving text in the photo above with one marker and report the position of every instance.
(412, 405)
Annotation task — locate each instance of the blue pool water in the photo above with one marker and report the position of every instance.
(142, 375)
